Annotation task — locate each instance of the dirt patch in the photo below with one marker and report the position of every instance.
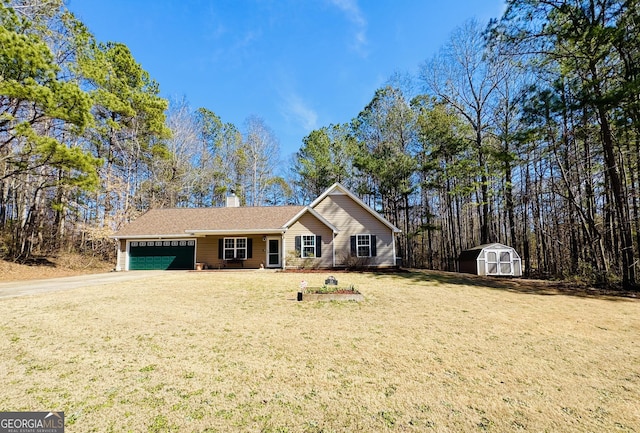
(63, 265)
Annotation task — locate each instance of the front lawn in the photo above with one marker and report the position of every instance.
(235, 351)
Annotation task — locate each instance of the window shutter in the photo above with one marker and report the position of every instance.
(249, 248)
(353, 246)
(374, 247)
(220, 248)
(318, 246)
(298, 244)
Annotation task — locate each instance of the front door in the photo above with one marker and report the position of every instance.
(273, 253)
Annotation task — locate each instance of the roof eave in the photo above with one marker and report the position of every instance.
(155, 236)
(197, 232)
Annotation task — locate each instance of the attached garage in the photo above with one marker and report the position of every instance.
(162, 255)
(491, 259)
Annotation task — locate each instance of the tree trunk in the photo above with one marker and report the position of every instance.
(620, 203)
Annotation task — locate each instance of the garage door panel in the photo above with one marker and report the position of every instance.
(161, 256)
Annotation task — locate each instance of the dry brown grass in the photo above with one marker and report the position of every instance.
(222, 351)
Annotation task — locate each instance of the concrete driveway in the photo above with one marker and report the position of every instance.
(34, 287)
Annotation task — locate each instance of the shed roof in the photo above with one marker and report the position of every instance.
(473, 253)
(492, 245)
(185, 221)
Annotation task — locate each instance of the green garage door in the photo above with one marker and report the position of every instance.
(149, 255)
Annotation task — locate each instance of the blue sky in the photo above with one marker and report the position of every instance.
(297, 64)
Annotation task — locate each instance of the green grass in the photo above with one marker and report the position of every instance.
(234, 351)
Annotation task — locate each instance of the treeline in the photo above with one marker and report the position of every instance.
(87, 143)
(525, 132)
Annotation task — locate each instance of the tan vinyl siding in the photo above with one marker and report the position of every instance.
(352, 219)
(207, 253)
(308, 224)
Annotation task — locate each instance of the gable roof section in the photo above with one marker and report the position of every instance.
(319, 217)
(474, 252)
(338, 187)
(491, 245)
(176, 222)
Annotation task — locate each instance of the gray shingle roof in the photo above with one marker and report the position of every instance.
(176, 221)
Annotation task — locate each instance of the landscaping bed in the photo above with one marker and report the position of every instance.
(330, 291)
(333, 296)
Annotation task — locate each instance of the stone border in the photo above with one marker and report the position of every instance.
(357, 297)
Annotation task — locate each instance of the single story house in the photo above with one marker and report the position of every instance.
(336, 230)
(491, 259)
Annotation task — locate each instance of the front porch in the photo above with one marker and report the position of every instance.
(239, 251)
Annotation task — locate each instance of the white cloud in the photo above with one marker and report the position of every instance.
(354, 14)
(296, 110)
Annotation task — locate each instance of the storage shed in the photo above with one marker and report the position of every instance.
(491, 259)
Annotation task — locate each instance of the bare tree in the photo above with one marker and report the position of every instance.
(463, 77)
(262, 156)
(173, 176)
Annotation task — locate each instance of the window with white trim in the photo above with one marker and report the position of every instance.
(235, 248)
(308, 246)
(363, 245)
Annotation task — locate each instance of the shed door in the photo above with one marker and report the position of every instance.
(499, 262)
(151, 255)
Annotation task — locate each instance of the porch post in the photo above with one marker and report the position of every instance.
(333, 249)
(395, 260)
(118, 255)
(282, 250)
